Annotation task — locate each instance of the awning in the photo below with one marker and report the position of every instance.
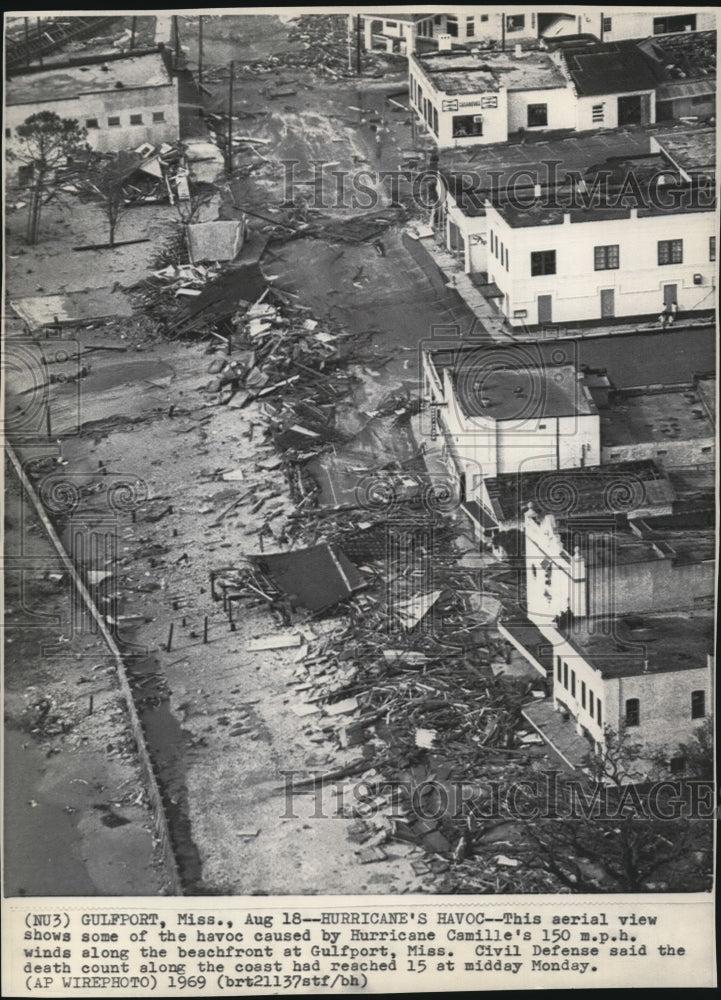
(490, 290)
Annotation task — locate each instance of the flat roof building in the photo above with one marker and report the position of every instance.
(122, 100)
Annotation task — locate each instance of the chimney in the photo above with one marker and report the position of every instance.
(444, 43)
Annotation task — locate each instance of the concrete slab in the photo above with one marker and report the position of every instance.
(71, 308)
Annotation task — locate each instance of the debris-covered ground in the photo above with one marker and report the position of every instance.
(310, 632)
(77, 820)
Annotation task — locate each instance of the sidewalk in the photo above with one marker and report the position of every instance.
(494, 324)
(491, 323)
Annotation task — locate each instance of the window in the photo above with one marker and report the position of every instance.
(452, 26)
(467, 125)
(25, 173)
(537, 115)
(114, 121)
(91, 123)
(136, 119)
(158, 116)
(605, 258)
(543, 262)
(391, 24)
(573, 683)
(597, 113)
(670, 252)
(558, 665)
(677, 765)
(435, 120)
(506, 258)
(598, 711)
(712, 248)
(484, 18)
(698, 704)
(607, 22)
(633, 712)
(502, 252)
(590, 703)
(565, 675)
(8, 133)
(583, 695)
(678, 22)
(515, 22)
(470, 27)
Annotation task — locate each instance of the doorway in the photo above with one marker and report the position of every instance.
(629, 110)
(608, 303)
(545, 309)
(669, 294)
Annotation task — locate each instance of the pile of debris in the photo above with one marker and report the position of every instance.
(409, 672)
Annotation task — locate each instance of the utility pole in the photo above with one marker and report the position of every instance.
(503, 32)
(133, 26)
(600, 34)
(40, 43)
(350, 42)
(358, 44)
(229, 156)
(27, 43)
(177, 39)
(200, 49)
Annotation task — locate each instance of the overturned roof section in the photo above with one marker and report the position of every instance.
(315, 578)
(220, 298)
(209, 241)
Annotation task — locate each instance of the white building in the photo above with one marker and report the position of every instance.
(403, 33)
(498, 418)
(612, 24)
(608, 602)
(122, 100)
(477, 97)
(624, 237)
(580, 267)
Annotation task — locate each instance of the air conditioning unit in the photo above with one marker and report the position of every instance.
(698, 279)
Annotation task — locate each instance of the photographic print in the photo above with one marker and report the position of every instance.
(360, 510)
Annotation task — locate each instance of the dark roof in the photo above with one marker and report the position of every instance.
(634, 645)
(476, 174)
(315, 578)
(659, 357)
(608, 68)
(621, 487)
(503, 391)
